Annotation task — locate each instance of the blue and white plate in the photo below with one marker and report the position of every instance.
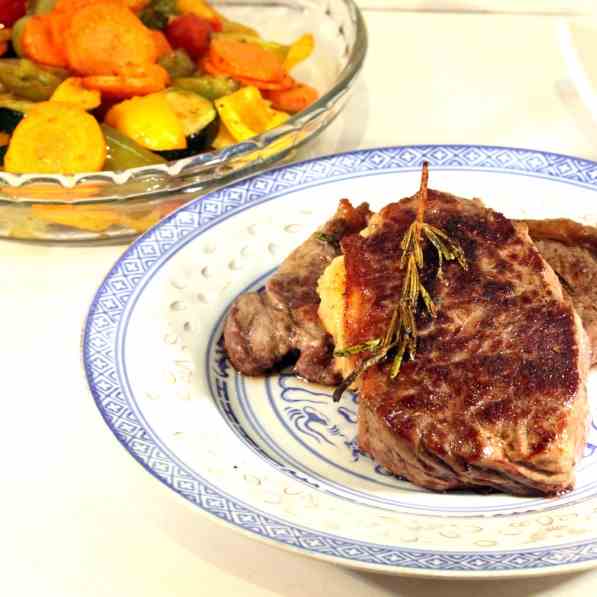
(273, 456)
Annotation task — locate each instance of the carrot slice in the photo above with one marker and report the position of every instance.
(58, 23)
(37, 42)
(56, 138)
(286, 83)
(246, 59)
(292, 100)
(151, 79)
(210, 68)
(161, 42)
(104, 38)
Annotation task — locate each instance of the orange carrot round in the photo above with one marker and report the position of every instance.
(106, 37)
(246, 60)
(151, 79)
(161, 43)
(38, 44)
(292, 100)
(286, 83)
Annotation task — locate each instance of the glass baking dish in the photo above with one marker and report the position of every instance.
(106, 205)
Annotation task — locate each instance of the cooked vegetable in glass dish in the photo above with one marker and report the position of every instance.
(90, 85)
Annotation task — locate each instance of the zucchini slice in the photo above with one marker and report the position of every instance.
(12, 111)
(197, 116)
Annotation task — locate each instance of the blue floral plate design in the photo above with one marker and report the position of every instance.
(273, 456)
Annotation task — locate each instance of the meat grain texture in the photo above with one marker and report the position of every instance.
(263, 328)
(496, 396)
(571, 250)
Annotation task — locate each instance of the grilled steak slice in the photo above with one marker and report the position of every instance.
(263, 328)
(496, 396)
(571, 250)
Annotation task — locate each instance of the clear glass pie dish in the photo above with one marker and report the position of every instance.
(107, 204)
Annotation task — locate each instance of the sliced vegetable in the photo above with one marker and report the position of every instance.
(149, 79)
(11, 11)
(150, 121)
(41, 7)
(29, 80)
(210, 87)
(12, 111)
(191, 33)
(124, 153)
(71, 91)
(195, 114)
(286, 83)
(246, 114)
(229, 26)
(4, 139)
(161, 43)
(157, 13)
(137, 5)
(280, 50)
(292, 100)
(39, 143)
(37, 42)
(192, 110)
(201, 9)
(17, 35)
(16, 104)
(9, 119)
(223, 138)
(178, 64)
(299, 51)
(106, 37)
(245, 60)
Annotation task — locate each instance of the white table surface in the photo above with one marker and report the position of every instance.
(78, 517)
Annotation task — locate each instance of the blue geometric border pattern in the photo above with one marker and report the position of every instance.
(111, 305)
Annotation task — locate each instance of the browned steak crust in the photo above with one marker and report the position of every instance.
(496, 396)
(262, 328)
(571, 250)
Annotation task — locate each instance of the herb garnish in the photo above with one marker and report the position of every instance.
(328, 238)
(401, 335)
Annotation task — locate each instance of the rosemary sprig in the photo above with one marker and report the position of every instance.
(328, 238)
(357, 348)
(402, 330)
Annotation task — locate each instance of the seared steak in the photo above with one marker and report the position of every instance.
(264, 328)
(571, 250)
(496, 396)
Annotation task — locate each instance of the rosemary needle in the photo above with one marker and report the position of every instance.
(401, 333)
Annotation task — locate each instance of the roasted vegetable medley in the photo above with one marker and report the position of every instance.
(90, 85)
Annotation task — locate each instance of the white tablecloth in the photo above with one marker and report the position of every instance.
(79, 517)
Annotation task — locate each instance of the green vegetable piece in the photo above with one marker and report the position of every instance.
(178, 64)
(157, 14)
(29, 80)
(210, 87)
(41, 7)
(123, 152)
(17, 33)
